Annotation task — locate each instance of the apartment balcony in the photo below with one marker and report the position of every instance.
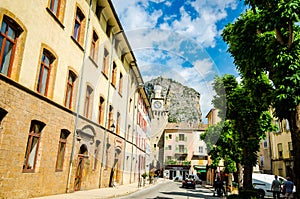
(178, 162)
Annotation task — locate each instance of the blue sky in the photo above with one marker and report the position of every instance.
(180, 39)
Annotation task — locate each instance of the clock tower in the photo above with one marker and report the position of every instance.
(158, 124)
(158, 100)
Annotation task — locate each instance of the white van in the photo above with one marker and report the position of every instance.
(263, 183)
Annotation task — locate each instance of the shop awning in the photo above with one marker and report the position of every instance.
(200, 168)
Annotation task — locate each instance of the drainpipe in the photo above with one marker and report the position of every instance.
(126, 128)
(107, 104)
(79, 97)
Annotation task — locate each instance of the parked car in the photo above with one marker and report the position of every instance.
(263, 183)
(190, 181)
(178, 178)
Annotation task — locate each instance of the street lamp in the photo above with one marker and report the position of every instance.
(112, 127)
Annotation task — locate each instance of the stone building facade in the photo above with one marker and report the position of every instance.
(276, 151)
(70, 98)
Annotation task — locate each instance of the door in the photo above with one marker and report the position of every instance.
(78, 174)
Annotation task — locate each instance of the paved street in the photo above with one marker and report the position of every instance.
(163, 189)
(172, 190)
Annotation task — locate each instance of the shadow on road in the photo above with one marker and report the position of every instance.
(190, 193)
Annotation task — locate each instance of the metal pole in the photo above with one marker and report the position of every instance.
(79, 96)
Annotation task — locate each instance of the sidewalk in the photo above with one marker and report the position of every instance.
(109, 192)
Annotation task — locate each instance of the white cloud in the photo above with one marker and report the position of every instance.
(164, 50)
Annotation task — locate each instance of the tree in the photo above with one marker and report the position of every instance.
(222, 143)
(246, 120)
(265, 40)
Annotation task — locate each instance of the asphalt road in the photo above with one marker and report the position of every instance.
(172, 190)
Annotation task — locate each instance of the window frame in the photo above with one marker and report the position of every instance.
(118, 123)
(114, 74)
(79, 20)
(62, 141)
(88, 101)
(32, 134)
(120, 84)
(105, 62)
(52, 3)
(101, 109)
(10, 23)
(45, 54)
(94, 46)
(70, 88)
(181, 137)
(280, 150)
(110, 116)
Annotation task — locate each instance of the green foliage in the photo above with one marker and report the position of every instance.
(265, 40)
(246, 119)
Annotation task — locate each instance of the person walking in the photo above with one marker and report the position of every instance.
(276, 187)
(289, 186)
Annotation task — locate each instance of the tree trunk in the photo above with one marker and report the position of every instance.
(239, 174)
(247, 183)
(294, 123)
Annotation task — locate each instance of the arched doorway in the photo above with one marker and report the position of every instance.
(80, 166)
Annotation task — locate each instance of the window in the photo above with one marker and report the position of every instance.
(78, 26)
(94, 46)
(2, 115)
(287, 125)
(61, 149)
(55, 6)
(170, 136)
(105, 62)
(44, 72)
(114, 74)
(33, 142)
(181, 137)
(118, 123)
(181, 148)
(121, 83)
(9, 34)
(280, 150)
(265, 143)
(70, 89)
(101, 110)
(169, 147)
(88, 101)
(200, 149)
(169, 158)
(278, 124)
(110, 116)
(291, 149)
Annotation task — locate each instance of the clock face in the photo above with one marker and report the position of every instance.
(157, 104)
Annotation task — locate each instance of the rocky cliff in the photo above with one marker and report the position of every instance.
(182, 102)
